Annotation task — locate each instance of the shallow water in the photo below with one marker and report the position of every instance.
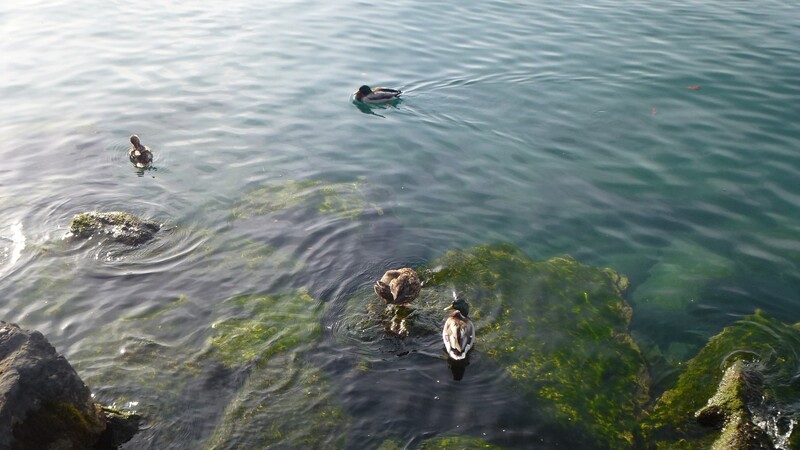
(563, 129)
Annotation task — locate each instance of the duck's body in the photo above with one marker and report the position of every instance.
(138, 153)
(398, 286)
(367, 94)
(458, 333)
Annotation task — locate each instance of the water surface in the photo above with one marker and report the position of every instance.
(563, 129)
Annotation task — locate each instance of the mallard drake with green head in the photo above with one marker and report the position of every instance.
(367, 94)
(458, 333)
(138, 153)
(398, 286)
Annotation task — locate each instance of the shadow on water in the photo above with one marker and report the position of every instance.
(369, 108)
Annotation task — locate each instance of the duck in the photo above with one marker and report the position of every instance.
(138, 153)
(398, 286)
(458, 333)
(367, 94)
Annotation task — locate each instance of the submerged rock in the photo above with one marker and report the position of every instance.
(120, 226)
(444, 443)
(286, 402)
(743, 382)
(560, 329)
(346, 200)
(678, 279)
(264, 325)
(43, 402)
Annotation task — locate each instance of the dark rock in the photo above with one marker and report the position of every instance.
(43, 402)
(120, 226)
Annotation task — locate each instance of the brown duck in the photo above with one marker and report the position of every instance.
(138, 153)
(398, 286)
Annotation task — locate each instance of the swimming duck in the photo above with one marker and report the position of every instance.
(138, 153)
(458, 333)
(398, 286)
(367, 94)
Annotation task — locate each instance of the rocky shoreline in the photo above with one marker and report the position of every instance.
(45, 405)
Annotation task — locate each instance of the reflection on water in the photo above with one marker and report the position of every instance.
(458, 368)
(531, 123)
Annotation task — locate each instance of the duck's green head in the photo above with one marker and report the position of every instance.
(365, 90)
(135, 141)
(459, 305)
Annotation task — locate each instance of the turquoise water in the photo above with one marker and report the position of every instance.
(563, 129)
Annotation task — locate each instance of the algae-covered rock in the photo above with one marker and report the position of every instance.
(119, 226)
(287, 403)
(744, 377)
(729, 410)
(249, 373)
(260, 326)
(443, 443)
(457, 443)
(343, 199)
(560, 329)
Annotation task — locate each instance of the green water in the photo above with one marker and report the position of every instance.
(558, 128)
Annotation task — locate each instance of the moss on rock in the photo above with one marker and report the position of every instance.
(768, 348)
(285, 404)
(262, 325)
(560, 329)
(457, 443)
(343, 199)
(120, 226)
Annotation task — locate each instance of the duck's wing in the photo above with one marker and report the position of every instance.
(405, 288)
(394, 92)
(382, 94)
(383, 291)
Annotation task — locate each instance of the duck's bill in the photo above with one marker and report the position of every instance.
(449, 308)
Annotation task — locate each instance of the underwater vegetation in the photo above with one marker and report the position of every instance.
(557, 328)
(765, 351)
(444, 443)
(260, 326)
(286, 400)
(288, 404)
(346, 200)
(278, 397)
(560, 330)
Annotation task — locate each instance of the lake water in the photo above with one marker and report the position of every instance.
(657, 138)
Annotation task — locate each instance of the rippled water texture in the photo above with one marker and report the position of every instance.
(560, 128)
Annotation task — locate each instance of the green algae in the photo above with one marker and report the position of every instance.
(758, 340)
(120, 226)
(286, 404)
(560, 329)
(66, 426)
(444, 443)
(457, 443)
(345, 199)
(264, 325)
(284, 399)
